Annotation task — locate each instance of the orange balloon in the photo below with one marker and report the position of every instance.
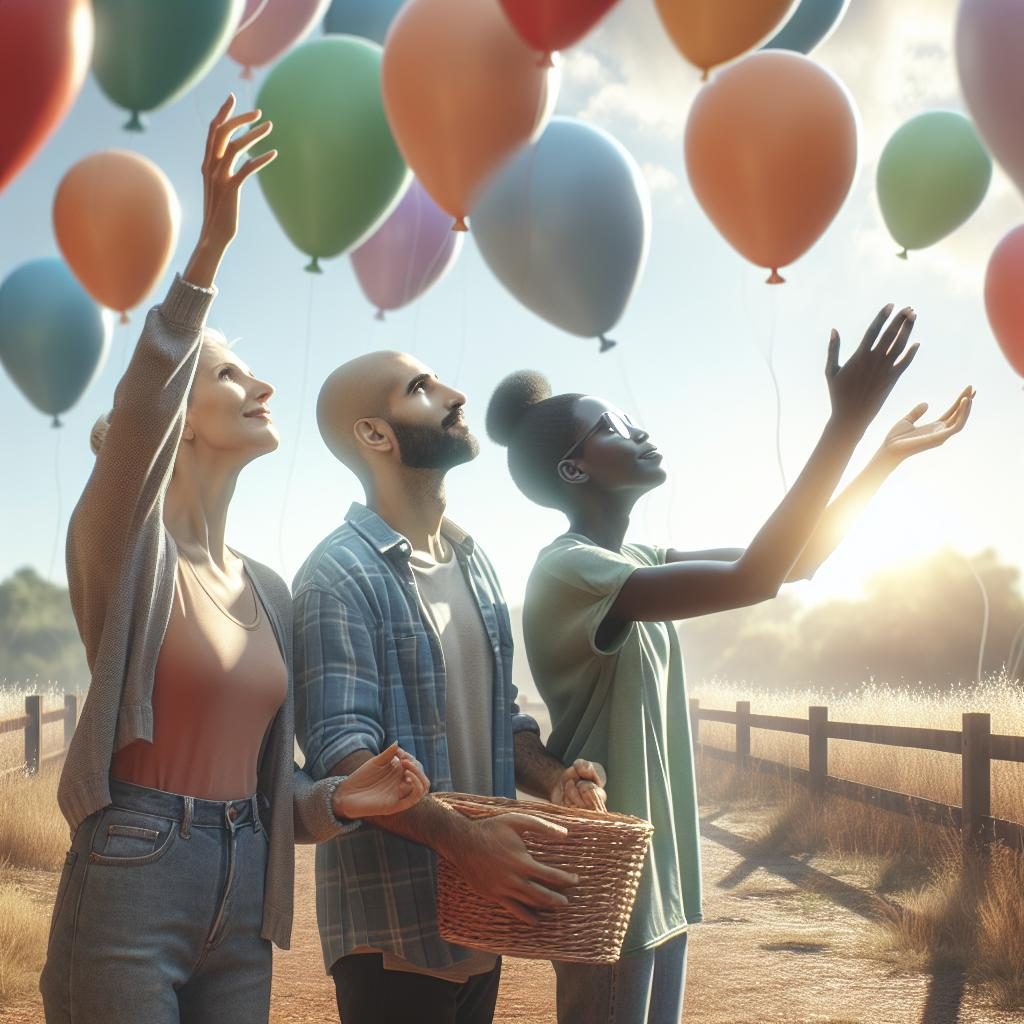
(462, 91)
(1004, 297)
(711, 32)
(771, 151)
(116, 217)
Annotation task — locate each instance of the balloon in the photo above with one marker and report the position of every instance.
(989, 44)
(554, 24)
(270, 28)
(812, 23)
(1004, 297)
(932, 175)
(150, 53)
(771, 150)
(462, 92)
(409, 253)
(370, 19)
(116, 217)
(711, 32)
(53, 337)
(45, 46)
(564, 225)
(339, 172)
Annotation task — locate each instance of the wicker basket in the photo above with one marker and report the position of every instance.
(605, 850)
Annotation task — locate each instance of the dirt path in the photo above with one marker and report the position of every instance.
(784, 942)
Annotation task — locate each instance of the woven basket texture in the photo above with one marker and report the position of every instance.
(605, 850)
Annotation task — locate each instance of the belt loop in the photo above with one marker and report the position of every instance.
(257, 825)
(186, 820)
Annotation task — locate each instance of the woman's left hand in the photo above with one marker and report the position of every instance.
(582, 785)
(908, 438)
(391, 782)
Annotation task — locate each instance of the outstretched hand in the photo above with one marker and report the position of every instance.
(388, 783)
(908, 437)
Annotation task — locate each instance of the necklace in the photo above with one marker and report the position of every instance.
(224, 611)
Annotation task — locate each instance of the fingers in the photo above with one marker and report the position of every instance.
(907, 358)
(253, 166)
(527, 823)
(901, 335)
(223, 132)
(554, 877)
(534, 895)
(590, 770)
(246, 141)
(218, 119)
(874, 327)
(832, 357)
(518, 911)
(594, 796)
(968, 392)
(917, 412)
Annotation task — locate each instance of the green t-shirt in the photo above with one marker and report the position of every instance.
(624, 706)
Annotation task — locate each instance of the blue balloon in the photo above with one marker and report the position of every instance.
(812, 22)
(53, 337)
(369, 19)
(565, 224)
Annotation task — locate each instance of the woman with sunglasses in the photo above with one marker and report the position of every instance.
(179, 784)
(599, 617)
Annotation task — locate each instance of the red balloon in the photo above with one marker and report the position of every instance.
(45, 50)
(1004, 297)
(549, 25)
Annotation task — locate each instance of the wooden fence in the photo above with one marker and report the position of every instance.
(977, 746)
(32, 723)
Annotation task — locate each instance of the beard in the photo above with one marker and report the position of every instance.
(439, 448)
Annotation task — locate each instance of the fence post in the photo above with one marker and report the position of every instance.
(817, 748)
(977, 779)
(695, 721)
(743, 733)
(70, 717)
(33, 731)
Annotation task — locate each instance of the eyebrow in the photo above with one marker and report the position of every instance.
(418, 379)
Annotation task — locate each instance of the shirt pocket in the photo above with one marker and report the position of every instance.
(132, 839)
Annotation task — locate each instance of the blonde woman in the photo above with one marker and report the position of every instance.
(179, 785)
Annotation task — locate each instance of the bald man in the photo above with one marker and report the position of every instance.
(402, 633)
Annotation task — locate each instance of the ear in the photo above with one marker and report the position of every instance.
(188, 434)
(374, 434)
(570, 473)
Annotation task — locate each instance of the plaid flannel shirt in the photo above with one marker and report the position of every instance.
(369, 671)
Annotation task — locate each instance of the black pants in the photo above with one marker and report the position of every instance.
(368, 994)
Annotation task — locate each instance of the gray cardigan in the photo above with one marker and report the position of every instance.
(121, 565)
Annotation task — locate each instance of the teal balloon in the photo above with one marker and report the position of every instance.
(149, 52)
(338, 173)
(810, 25)
(932, 175)
(369, 19)
(53, 338)
(565, 226)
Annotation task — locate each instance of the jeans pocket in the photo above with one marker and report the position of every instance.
(130, 838)
(62, 887)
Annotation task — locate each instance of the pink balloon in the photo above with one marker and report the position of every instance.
(409, 253)
(989, 46)
(1004, 297)
(272, 27)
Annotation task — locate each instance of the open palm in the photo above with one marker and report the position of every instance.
(386, 784)
(908, 437)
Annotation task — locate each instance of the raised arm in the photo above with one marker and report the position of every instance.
(683, 589)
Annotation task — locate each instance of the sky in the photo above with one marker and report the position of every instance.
(691, 360)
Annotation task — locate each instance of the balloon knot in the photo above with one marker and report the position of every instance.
(606, 343)
(313, 266)
(124, 317)
(56, 424)
(775, 277)
(460, 224)
(705, 74)
(545, 60)
(134, 123)
(380, 315)
(902, 255)
(247, 73)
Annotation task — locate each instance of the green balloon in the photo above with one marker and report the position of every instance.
(932, 175)
(338, 173)
(149, 52)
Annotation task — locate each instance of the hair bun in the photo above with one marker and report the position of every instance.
(510, 401)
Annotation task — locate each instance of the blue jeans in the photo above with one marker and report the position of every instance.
(642, 988)
(158, 915)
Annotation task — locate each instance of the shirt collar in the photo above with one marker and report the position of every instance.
(386, 539)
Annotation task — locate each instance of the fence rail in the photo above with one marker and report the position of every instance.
(32, 723)
(977, 746)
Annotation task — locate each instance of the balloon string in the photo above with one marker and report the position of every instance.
(60, 511)
(411, 256)
(984, 617)
(298, 429)
(770, 363)
(260, 7)
(465, 322)
(642, 417)
(1016, 653)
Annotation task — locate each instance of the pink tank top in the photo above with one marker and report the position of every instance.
(220, 680)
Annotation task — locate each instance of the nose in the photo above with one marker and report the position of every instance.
(455, 399)
(263, 390)
(638, 434)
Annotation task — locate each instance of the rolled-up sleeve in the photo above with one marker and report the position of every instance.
(337, 682)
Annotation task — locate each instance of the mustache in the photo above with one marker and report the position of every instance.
(452, 418)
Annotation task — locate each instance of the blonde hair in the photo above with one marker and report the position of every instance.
(99, 430)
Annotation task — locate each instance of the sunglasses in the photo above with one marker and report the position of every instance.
(621, 425)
